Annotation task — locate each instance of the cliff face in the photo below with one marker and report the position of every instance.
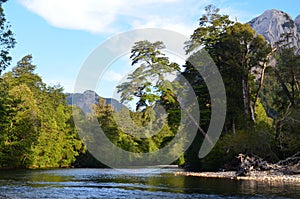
(273, 23)
(297, 22)
(86, 99)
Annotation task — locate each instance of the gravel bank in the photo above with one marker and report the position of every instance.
(263, 176)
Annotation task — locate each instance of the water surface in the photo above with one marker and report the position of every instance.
(132, 183)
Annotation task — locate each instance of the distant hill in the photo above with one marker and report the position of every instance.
(86, 99)
(273, 23)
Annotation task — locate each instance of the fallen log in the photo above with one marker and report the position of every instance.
(289, 166)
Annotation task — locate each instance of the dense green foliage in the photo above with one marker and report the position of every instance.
(7, 40)
(37, 130)
(263, 98)
(258, 80)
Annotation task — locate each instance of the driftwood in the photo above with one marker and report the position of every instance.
(289, 166)
(290, 160)
(248, 164)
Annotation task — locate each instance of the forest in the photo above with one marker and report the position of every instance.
(262, 85)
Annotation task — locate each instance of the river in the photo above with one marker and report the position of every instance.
(132, 183)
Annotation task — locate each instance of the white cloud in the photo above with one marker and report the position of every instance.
(74, 14)
(237, 15)
(112, 76)
(66, 83)
(109, 16)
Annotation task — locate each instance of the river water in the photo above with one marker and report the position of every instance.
(132, 183)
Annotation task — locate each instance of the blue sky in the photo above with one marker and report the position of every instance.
(60, 34)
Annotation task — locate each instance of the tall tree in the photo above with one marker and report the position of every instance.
(148, 82)
(212, 25)
(40, 133)
(286, 99)
(240, 53)
(23, 130)
(7, 41)
(151, 86)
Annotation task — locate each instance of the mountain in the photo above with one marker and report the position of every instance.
(86, 99)
(297, 22)
(273, 23)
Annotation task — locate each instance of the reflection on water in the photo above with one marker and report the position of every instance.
(140, 183)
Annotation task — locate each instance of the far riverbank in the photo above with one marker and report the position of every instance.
(261, 176)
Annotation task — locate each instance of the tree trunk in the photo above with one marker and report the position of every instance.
(233, 127)
(285, 89)
(245, 98)
(278, 129)
(252, 110)
(262, 77)
(200, 129)
(279, 122)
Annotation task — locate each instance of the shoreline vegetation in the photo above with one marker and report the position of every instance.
(258, 176)
(254, 168)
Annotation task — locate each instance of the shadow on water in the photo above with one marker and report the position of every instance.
(140, 183)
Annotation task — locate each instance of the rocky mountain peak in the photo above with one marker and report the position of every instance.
(273, 23)
(87, 98)
(297, 22)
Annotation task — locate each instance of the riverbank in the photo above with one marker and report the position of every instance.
(261, 176)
